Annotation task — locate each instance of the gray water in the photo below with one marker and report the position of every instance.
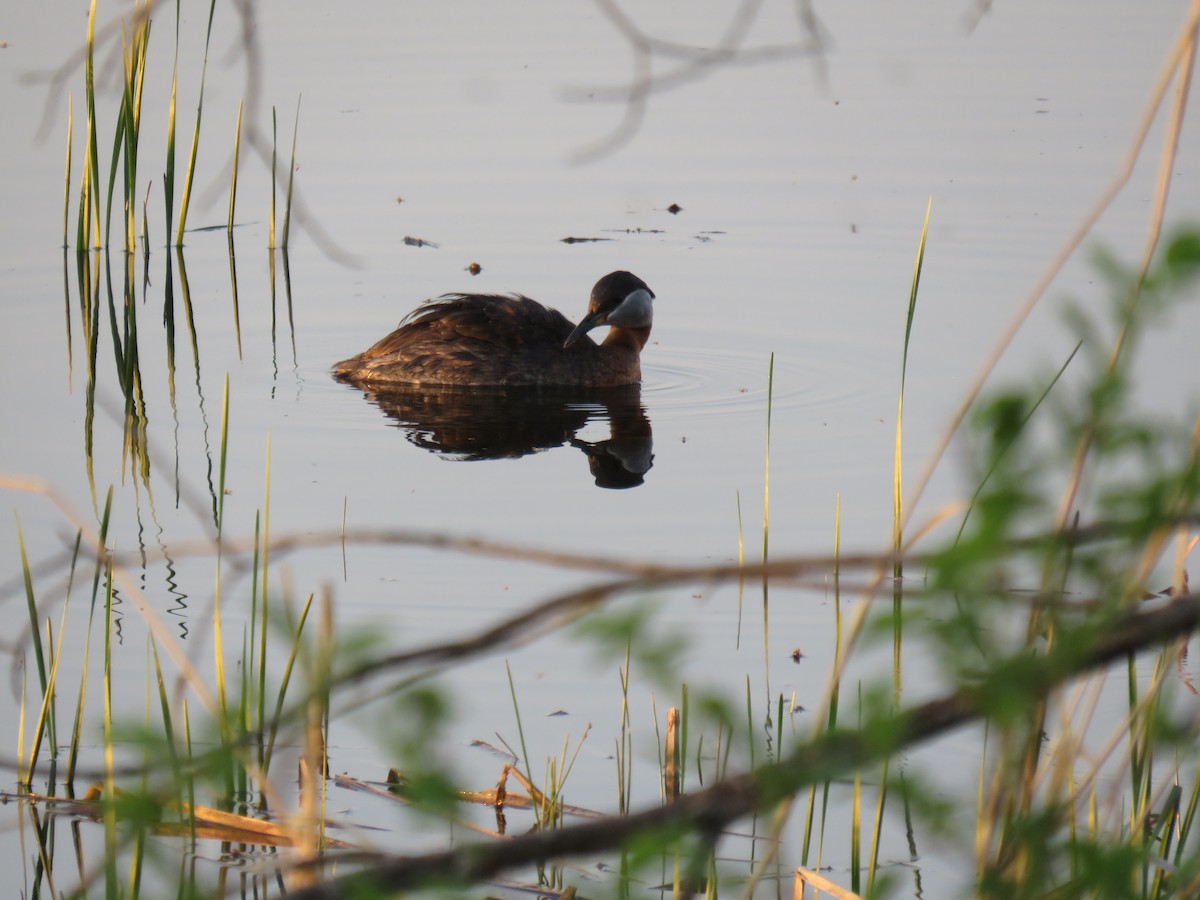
(803, 181)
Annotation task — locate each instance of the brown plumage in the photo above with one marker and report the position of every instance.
(487, 339)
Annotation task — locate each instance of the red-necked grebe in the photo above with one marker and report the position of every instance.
(486, 339)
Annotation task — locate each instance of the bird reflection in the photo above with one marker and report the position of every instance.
(498, 423)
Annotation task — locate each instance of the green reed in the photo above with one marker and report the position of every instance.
(169, 164)
(81, 697)
(189, 174)
(525, 759)
(89, 207)
(125, 140)
(274, 176)
(67, 175)
(47, 670)
(287, 201)
(233, 180)
(624, 740)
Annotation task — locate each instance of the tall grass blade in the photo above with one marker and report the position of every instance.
(287, 201)
(512, 689)
(218, 645)
(46, 715)
(110, 784)
(274, 175)
(897, 479)
(92, 160)
(31, 606)
(284, 681)
(233, 178)
(67, 176)
(767, 462)
(898, 467)
(190, 174)
(169, 173)
(80, 702)
(1020, 428)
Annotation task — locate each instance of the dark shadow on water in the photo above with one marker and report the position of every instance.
(473, 424)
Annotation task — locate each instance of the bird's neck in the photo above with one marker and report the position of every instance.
(632, 338)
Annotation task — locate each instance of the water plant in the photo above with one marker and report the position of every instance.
(1028, 613)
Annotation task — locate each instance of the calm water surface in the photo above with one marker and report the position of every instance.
(802, 183)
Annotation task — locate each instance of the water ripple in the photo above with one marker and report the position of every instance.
(705, 381)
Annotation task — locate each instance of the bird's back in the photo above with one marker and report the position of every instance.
(469, 339)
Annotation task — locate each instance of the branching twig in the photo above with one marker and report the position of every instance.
(829, 755)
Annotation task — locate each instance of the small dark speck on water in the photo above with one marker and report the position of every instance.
(674, 209)
(583, 240)
(399, 200)
(474, 268)
(418, 242)
(797, 655)
(557, 712)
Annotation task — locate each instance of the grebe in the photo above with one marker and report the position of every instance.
(485, 339)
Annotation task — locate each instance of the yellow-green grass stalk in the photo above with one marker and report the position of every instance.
(233, 289)
(218, 643)
(92, 157)
(897, 469)
(261, 612)
(897, 483)
(274, 175)
(67, 176)
(1188, 819)
(84, 221)
(512, 689)
(258, 600)
(566, 765)
(287, 201)
(169, 172)
(131, 115)
(1021, 427)
(856, 835)
(767, 466)
(233, 180)
(139, 823)
(45, 720)
(110, 782)
(834, 694)
(766, 631)
(284, 681)
(21, 721)
(624, 742)
(1161, 835)
(877, 829)
(243, 729)
(168, 724)
(146, 231)
(190, 173)
(44, 679)
(189, 783)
